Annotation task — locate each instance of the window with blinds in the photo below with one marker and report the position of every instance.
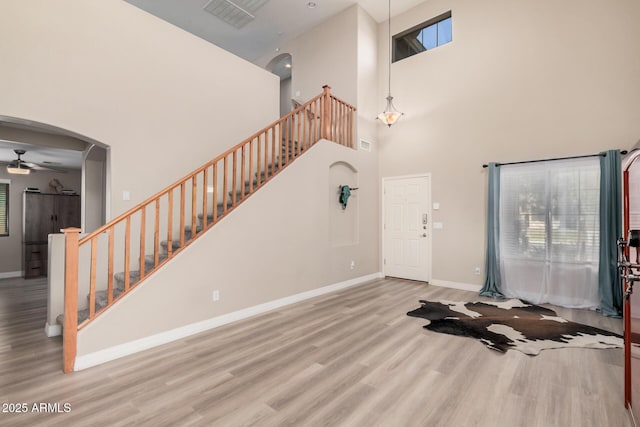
(4, 208)
(550, 211)
(634, 197)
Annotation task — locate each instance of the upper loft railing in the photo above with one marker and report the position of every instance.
(112, 260)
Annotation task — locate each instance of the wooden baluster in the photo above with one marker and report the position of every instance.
(156, 235)
(183, 197)
(110, 271)
(337, 122)
(194, 204)
(352, 139)
(343, 122)
(305, 126)
(215, 193)
(170, 225)
(143, 226)
(280, 152)
(347, 118)
(334, 117)
(273, 150)
(286, 140)
(251, 167)
(225, 185)
(318, 120)
(234, 183)
(205, 198)
(298, 146)
(312, 124)
(259, 161)
(127, 253)
(349, 126)
(69, 338)
(341, 112)
(243, 177)
(92, 278)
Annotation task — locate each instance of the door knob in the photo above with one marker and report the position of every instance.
(423, 235)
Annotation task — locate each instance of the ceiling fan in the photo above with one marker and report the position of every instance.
(21, 167)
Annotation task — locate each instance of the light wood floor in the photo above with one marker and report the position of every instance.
(351, 358)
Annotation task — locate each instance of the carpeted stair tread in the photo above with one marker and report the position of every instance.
(150, 262)
(220, 211)
(82, 316)
(134, 276)
(101, 297)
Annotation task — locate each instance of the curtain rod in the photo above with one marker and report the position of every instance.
(554, 158)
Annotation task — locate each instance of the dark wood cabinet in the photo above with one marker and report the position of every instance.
(44, 214)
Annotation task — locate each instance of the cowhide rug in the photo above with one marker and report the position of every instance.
(512, 324)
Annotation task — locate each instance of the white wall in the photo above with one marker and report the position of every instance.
(521, 80)
(163, 100)
(11, 246)
(285, 96)
(325, 55)
(286, 252)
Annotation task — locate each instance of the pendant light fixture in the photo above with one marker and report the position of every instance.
(390, 115)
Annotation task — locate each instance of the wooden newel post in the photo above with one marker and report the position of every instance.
(326, 130)
(70, 327)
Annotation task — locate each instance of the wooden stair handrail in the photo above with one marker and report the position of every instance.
(323, 116)
(195, 172)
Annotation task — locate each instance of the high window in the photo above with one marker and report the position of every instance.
(4, 207)
(432, 33)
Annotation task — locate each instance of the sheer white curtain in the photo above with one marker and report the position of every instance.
(549, 231)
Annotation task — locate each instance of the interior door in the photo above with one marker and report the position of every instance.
(407, 227)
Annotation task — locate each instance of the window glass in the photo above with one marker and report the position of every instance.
(426, 36)
(444, 31)
(430, 36)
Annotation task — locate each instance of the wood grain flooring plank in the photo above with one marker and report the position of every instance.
(349, 358)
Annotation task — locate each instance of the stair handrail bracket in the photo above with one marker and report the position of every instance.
(186, 209)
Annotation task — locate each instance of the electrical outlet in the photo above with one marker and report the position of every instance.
(216, 295)
(353, 265)
(477, 271)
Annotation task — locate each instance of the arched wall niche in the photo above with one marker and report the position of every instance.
(343, 223)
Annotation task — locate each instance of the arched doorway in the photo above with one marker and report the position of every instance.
(282, 66)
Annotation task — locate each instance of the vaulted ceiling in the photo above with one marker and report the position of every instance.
(253, 28)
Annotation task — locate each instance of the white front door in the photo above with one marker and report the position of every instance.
(407, 227)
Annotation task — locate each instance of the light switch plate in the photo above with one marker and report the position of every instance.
(438, 226)
(126, 195)
(436, 206)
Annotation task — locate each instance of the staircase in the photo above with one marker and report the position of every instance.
(111, 261)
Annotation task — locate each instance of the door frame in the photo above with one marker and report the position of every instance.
(386, 179)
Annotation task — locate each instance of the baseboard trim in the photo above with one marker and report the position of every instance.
(52, 330)
(455, 285)
(10, 274)
(121, 350)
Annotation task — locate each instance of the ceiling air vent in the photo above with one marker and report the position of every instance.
(237, 12)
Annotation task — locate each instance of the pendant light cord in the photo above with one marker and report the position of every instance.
(390, 49)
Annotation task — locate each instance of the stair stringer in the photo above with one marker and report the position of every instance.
(273, 246)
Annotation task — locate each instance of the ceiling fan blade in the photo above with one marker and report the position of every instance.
(37, 167)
